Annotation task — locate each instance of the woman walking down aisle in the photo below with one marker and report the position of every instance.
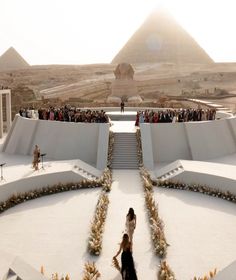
(130, 223)
(120, 198)
(127, 263)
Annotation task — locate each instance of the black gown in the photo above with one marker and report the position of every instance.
(127, 266)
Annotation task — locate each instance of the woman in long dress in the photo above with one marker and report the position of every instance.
(130, 223)
(36, 159)
(127, 263)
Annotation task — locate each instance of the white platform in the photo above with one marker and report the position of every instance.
(19, 269)
(53, 231)
(19, 176)
(60, 140)
(228, 273)
(215, 175)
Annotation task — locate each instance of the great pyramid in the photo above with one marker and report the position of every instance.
(161, 39)
(12, 60)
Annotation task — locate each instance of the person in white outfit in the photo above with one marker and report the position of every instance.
(130, 223)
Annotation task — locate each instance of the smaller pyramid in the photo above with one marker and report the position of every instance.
(12, 60)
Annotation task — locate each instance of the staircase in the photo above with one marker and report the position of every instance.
(85, 174)
(125, 151)
(168, 175)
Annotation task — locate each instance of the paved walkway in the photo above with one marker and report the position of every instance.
(127, 191)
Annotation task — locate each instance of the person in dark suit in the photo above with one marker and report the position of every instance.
(122, 106)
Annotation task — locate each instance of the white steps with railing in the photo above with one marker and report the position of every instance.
(169, 171)
(168, 175)
(84, 173)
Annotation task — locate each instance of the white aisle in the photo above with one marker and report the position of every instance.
(127, 191)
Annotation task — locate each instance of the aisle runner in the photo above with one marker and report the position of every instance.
(126, 192)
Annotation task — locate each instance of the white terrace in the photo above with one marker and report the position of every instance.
(53, 230)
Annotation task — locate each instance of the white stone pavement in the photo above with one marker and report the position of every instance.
(51, 231)
(54, 230)
(200, 229)
(127, 191)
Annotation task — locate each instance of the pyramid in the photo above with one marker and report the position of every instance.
(161, 39)
(12, 60)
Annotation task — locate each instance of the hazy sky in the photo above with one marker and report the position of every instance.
(93, 31)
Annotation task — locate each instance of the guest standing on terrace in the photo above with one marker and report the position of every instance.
(36, 159)
(122, 106)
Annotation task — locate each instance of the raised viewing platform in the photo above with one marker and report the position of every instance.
(190, 152)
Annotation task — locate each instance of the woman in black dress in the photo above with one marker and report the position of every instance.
(127, 263)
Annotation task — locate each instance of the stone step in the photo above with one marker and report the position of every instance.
(126, 158)
(125, 151)
(127, 147)
(125, 141)
(125, 137)
(125, 162)
(124, 167)
(125, 155)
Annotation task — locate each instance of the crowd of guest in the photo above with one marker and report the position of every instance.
(180, 115)
(27, 113)
(4, 87)
(67, 114)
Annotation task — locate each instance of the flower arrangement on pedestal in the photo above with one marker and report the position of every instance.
(97, 226)
(90, 272)
(165, 273)
(156, 224)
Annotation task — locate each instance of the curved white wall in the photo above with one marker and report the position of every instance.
(169, 142)
(37, 182)
(191, 141)
(60, 140)
(210, 139)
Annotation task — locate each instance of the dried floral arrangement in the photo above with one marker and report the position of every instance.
(110, 148)
(212, 274)
(139, 147)
(55, 276)
(90, 272)
(104, 182)
(156, 224)
(197, 188)
(165, 272)
(97, 226)
(116, 264)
